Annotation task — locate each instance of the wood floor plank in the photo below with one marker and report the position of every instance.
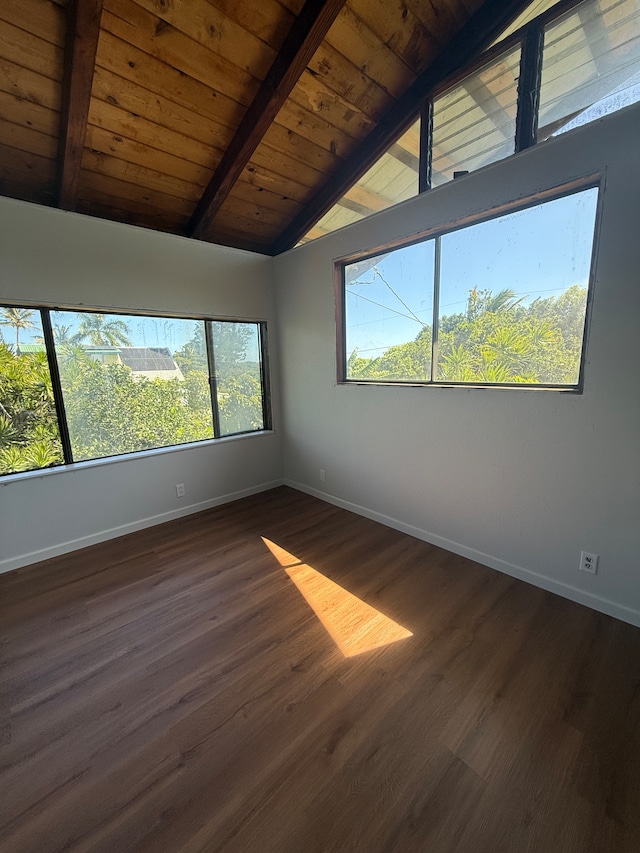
(172, 690)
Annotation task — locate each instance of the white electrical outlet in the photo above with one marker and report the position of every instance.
(180, 490)
(323, 475)
(588, 562)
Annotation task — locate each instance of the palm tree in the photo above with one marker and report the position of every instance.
(62, 334)
(457, 364)
(19, 318)
(99, 331)
(503, 301)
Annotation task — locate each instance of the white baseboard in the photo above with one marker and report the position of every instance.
(589, 599)
(113, 532)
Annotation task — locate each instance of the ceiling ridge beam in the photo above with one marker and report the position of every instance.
(304, 38)
(82, 33)
(477, 34)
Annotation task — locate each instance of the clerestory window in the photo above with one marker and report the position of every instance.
(560, 65)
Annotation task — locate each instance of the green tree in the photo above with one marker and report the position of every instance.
(497, 339)
(109, 411)
(62, 334)
(193, 355)
(19, 319)
(98, 331)
(230, 343)
(29, 436)
(240, 404)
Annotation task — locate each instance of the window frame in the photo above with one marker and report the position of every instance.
(591, 181)
(44, 312)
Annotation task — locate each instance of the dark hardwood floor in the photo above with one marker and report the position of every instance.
(172, 691)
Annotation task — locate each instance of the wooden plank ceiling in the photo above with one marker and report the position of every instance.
(234, 121)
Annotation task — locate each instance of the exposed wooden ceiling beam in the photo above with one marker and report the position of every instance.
(304, 38)
(477, 34)
(83, 30)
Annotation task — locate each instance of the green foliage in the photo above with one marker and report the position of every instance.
(498, 339)
(193, 355)
(19, 319)
(240, 403)
(29, 435)
(98, 331)
(109, 411)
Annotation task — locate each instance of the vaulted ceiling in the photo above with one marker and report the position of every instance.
(239, 122)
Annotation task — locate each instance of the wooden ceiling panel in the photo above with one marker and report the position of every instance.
(306, 34)
(137, 153)
(131, 195)
(239, 239)
(213, 30)
(137, 27)
(27, 139)
(340, 75)
(41, 18)
(312, 102)
(110, 89)
(443, 18)
(155, 78)
(357, 42)
(142, 177)
(286, 169)
(156, 138)
(260, 173)
(106, 207)
(31, 68)
(309, 136)
(21, 112)
(263, 226)
(281, 140)
(32, 52)
(26, 85)
(282, 95)
(269, 20)
(260, 198)
(398, 27)
(27, 175)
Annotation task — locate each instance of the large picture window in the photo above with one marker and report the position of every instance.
(81, 385)
(501, 302)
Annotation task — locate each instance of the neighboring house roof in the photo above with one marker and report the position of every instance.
(26, 348)
(151, 362)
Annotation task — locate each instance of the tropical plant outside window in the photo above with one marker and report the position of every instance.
(29, 433)
(499, 302)
(125, 383)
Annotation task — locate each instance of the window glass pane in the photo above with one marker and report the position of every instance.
(388, 315)
(532, 11)
(474, 123)
(131, 382)
(591, 64)
(238, 360)
(392, 179)
(513, 295)
(29, 434)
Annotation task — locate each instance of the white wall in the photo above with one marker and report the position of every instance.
(519, 480)
(49, 256)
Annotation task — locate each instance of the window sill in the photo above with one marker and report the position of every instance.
(41, 473)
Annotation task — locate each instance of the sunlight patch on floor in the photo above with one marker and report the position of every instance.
(354, 625)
